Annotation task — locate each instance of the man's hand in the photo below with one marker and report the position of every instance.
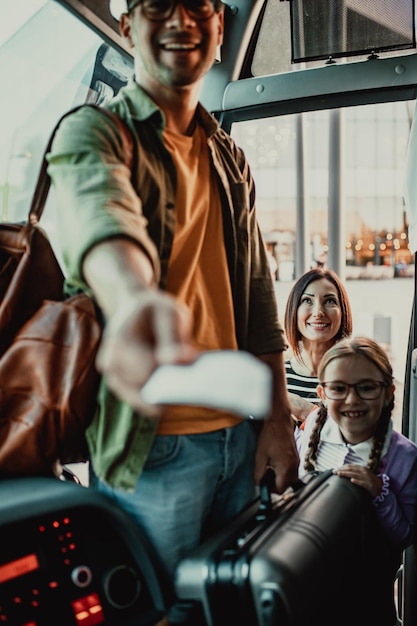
(276, 443)
(151, 330)
(300, 407)
(276, 449)
(144, 328)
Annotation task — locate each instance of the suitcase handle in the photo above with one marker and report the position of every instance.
(266, 488)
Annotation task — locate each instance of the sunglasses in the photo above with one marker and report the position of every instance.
(160, 10)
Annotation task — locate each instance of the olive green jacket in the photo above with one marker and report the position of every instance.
(100, 194)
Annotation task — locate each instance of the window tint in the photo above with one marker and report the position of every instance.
(276, 27)
(42, 76)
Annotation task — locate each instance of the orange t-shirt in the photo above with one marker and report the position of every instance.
(197, 272)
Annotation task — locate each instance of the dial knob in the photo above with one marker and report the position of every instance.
(122, 586)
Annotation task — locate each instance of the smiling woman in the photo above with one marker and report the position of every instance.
(317, 315)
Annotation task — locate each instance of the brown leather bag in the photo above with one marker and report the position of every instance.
(48, 345)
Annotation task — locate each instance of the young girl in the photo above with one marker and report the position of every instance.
(351, 432)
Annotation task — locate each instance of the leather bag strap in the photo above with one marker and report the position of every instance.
(43, 183)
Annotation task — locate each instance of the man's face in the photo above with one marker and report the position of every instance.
(174, 52)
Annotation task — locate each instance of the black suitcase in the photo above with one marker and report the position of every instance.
(311, 557)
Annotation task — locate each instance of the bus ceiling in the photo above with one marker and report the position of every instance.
(233, 93)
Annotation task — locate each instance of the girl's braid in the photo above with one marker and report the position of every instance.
(379, 437)
(313, 444)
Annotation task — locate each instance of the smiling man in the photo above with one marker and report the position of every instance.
(172, 252)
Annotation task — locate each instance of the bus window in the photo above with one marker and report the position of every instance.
(303, 213)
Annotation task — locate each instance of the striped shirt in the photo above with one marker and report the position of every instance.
(331, 456)
(304, 386)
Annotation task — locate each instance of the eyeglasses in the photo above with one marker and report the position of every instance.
(160, 10)
(366, 389)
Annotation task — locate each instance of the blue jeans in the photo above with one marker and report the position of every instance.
(190, 484)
